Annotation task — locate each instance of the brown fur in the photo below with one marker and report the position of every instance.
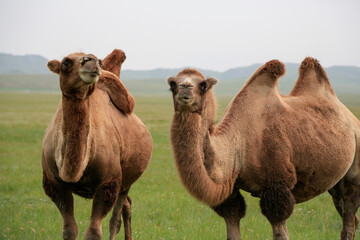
(283, 149)
(124, 101)
(116, 56)
(90, 147)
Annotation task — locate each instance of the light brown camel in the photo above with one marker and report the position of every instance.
(95, 146)
(283, 149)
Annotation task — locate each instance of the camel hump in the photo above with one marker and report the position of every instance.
(113, 62)
(312, 78)
(266, 76)
(274, 69)
(117, 92)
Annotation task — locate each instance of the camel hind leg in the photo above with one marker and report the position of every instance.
(126, 213)
(346, 198)
(232, 210)
(122, 207)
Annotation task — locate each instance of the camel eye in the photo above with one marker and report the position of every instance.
(67, 63)
(172, 85)
(203, 86)
(100, 63)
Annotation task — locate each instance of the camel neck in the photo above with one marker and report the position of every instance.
(188, 137)
(75, 129)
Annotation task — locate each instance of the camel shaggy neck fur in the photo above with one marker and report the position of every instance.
(283, 149)
(95, 146)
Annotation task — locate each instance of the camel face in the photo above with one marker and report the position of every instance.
(78, 73)
(188, 89)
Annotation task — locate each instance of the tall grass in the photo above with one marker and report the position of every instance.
(162, 209)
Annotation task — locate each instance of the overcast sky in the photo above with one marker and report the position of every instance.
(215, 35)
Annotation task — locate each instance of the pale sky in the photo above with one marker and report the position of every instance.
(216, 35)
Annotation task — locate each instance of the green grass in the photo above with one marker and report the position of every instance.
(162, 209)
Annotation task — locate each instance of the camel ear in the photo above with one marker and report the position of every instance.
(207, 84)
(172, 82)
(54, 66)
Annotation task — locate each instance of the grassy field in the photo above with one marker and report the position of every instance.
(162, 209)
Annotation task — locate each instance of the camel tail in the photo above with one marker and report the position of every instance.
(113, 62)
(312, 79)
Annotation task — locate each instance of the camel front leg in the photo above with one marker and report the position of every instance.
(280, 231)
(103, 201)
(115, 221)
(277, 204)
(232, 210)
(64, 201)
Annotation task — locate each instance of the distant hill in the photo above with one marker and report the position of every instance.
(28, 64)
(28, 73)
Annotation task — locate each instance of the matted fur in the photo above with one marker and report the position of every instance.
(283, 149)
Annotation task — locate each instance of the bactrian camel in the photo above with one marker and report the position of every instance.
(282, 149)
(95, 146)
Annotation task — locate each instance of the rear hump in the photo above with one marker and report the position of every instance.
(312, 79)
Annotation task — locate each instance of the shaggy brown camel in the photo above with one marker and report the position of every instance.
(95, 146)
(282, 149)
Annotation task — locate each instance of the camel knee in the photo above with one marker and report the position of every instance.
(277, 203)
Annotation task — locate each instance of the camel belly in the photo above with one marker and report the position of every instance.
(322, 175)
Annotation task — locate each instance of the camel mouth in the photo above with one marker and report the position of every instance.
(89, 76)
(185, 101)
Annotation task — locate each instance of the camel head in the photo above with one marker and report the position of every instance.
(78, 73)
(189, 89)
